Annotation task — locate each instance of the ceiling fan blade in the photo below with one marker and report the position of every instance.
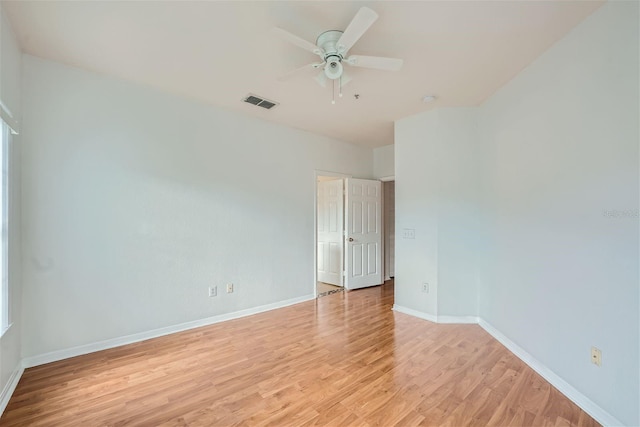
(345, 79)
(298, 41)
(297, 70)
(321, 79)
(377, 62)
(357, 27)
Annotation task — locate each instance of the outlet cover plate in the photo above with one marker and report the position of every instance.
(596, 356)
(408, 233)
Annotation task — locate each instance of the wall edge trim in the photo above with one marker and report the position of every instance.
(465, 320)
(415, 313)
(10, 386)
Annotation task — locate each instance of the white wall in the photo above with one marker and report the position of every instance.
(10, 68)
(458, 208)
(437, 195)
(135, 202)
(383, 161)
(10, 94)
(537, 173)
(560, 145)
(416, 196)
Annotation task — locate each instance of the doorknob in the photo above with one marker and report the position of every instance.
(350, 239)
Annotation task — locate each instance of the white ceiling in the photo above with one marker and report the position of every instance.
(218, 52)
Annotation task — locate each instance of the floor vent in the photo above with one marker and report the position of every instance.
(260, 102)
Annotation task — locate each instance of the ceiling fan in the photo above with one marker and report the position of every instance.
(332, 47)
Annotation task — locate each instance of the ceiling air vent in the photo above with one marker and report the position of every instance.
(260, 102)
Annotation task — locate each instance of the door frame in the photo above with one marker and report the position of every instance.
(390, 178)
(319, 173)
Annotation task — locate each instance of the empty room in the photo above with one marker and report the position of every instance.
(320, 213)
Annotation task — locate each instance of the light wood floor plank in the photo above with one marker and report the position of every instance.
(345, 359)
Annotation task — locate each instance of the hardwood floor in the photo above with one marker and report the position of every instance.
(342, 360)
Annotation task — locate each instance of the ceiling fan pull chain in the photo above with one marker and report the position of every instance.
(333, 92)
(340, 86)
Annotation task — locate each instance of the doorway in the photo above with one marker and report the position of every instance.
(389, 218)
(349, 234)
(329, 235)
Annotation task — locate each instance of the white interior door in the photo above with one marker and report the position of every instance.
(363, 212)
(330, 231)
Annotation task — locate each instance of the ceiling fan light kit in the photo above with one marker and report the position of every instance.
(332, 47)
(333, 69)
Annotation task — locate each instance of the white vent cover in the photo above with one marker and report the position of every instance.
(260, 102)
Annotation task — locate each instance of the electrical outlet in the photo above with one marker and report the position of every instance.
(425, 287)
(596, 356)
(229, 288)
(213, 291)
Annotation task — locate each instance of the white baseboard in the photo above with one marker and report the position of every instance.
(599, 414)
(55, 356)
(10, 387)
(471, 320)
(436, 319)
(415, 313)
